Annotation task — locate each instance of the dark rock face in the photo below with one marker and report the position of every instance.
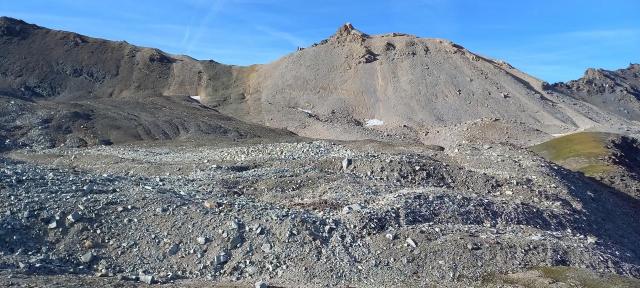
(614, 91)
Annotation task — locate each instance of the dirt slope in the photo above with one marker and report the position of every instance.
(401, 81)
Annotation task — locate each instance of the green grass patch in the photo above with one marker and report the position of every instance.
(582, 152)
(579, 145)
(596, 169)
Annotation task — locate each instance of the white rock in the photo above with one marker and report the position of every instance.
(147, 279)
(53, 224)
(374, 122)
(87, 257)
(411, 243)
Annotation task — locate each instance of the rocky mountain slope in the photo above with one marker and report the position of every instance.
(352, 86)
(60, 88)
(614, 91)
(36, 62)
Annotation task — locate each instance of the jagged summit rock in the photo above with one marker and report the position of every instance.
(347, 33)
(347, 29)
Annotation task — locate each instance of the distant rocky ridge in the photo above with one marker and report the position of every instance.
(615, 91)
(351, 86)
(40, 63)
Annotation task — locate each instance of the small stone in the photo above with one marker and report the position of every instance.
(235, 224)
(261, 284)
(102, 273)
(53, 224)
(251, 270)
(536, 237)
(221, 258)
(209, 204)
(147, 279)
(173, 249)
(266, 248)
(74, 217)
(88, 244)
(472, 246)
(389, 236)
(87, 257)
(236, 241)
(592, 239)
(88, 188)
(346, 163)
(353, 207)
(411, 243)
(202, 240)
(508, 192)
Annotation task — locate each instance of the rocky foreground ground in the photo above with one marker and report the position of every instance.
(313, 214)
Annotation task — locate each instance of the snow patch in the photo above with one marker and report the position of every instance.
(306, 111)
(374, 122)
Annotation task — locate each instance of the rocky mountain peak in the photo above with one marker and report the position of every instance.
(13, 27)
(593, 73)
(349, 33)
(6, 21)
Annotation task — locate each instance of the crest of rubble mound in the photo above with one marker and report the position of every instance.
(348, 33)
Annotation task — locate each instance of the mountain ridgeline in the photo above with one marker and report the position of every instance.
(350, 86)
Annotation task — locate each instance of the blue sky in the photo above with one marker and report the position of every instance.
(552, 40)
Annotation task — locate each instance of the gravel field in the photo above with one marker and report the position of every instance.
(306, 214)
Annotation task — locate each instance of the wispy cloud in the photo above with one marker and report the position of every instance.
(215, 8)
(292, 39)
